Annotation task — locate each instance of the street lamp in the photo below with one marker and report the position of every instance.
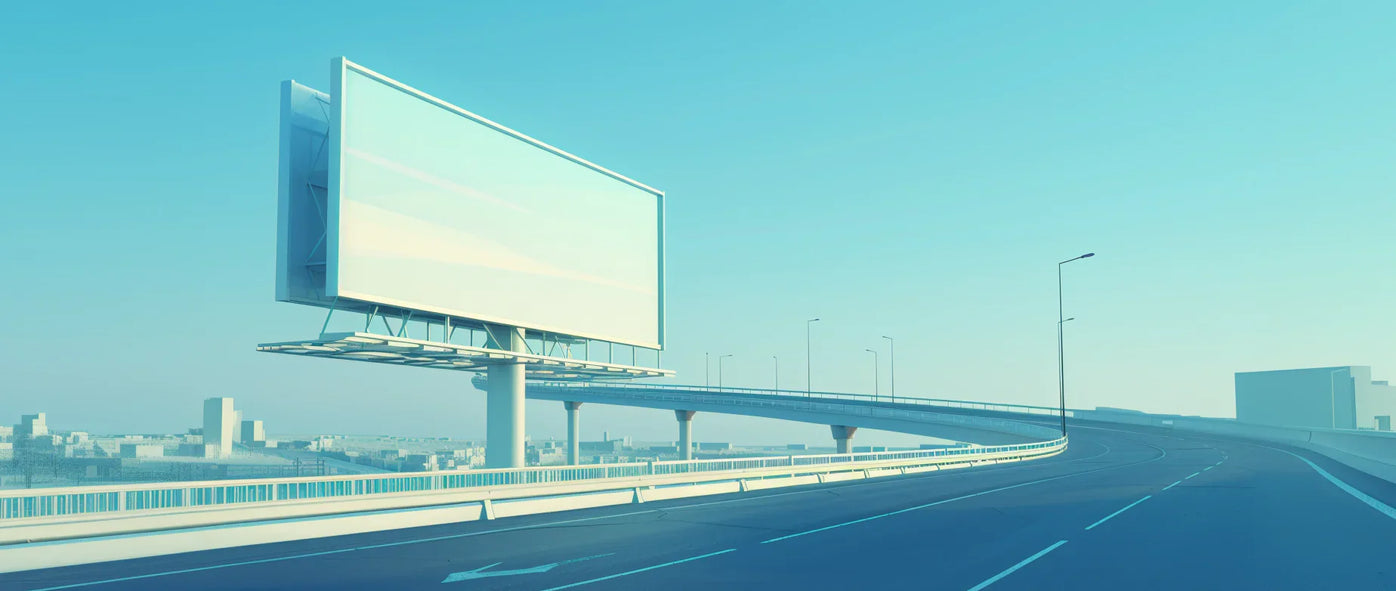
(719, 369)
(875, 387)
(809, 381)
(892, 344)
(1060, 323)
(707, 371)
(776, 373)
(1061, 352)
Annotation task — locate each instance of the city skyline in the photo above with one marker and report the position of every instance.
(963, 197)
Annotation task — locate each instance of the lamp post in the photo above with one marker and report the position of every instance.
(1061, 352)
(892, 345)
(775, 374)
(707, 371)
(809, 381)
(719, 369)
(1060, 324)
(875, 386)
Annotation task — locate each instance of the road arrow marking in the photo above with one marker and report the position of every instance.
(484, 572)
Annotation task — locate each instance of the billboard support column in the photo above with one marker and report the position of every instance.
(504, 404)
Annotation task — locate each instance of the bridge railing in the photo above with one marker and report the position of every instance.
(818, 395)
(152, 497)
(736, 464)
(852, 405)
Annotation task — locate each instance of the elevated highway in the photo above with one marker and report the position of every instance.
(1136, 502)
(969, 422)
(1125, 507)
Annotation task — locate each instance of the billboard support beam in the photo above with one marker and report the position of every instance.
(326, 326)
(504, 403)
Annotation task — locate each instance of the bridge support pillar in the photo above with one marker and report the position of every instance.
(842, 435)
(504, 404)
(574, 432)
(685, 418)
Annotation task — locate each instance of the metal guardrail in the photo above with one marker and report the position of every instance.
(154, 497)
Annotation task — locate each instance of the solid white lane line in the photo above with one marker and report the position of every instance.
(995, 578)
(1347, 488)
(908, 509)
(1107, 517)
(640, 570)
(959, 498)
(1172, 485)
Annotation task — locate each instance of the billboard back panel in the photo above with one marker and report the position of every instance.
(302, 196)
(435, 209)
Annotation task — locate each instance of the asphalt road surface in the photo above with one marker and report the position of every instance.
(1121, 509)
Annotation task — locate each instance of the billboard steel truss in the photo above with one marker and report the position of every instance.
(398, 350)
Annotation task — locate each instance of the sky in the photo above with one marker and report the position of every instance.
(914, 170)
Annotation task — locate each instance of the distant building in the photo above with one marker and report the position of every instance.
(252, 432)
(796, 446)
(220, 422)
(624, 440)
(606, 445)
(714, 446)
(1343, 397)
(419, 463)
(35, 425)
(142, 450)
(197, 450)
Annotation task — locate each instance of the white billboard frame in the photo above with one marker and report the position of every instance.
(340, 70)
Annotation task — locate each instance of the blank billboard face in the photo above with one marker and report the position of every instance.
(435, 209)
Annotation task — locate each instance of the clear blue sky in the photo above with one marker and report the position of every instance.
(908, 169)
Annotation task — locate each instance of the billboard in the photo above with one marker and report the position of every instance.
(435, 210)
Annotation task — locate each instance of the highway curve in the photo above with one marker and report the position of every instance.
(1123, 508)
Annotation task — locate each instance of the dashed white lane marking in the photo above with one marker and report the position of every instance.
(1009, 571)
(640, 570)
(1162, 455)
(1172, 485)
(1107, 517)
